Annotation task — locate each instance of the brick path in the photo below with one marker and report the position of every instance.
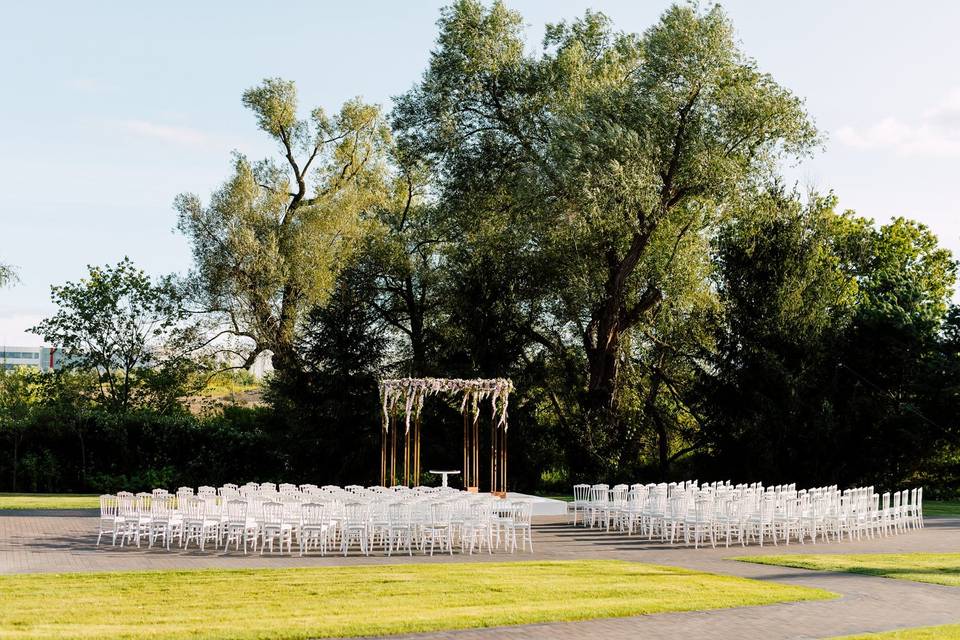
(64, 541)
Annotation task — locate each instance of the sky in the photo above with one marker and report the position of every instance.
(108, 110)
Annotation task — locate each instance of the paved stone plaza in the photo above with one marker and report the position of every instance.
(48, 541)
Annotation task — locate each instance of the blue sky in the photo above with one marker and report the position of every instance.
(108, 110)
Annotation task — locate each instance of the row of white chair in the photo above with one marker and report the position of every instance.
(395, 519)
(745, 513)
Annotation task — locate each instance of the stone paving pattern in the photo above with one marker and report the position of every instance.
(47, 541)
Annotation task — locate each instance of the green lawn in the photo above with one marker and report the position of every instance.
(948, 508)
(945, 632)
(936, 568)
(49, 501)
(333, 601)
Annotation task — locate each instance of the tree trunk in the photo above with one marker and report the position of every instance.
(611, 317)
(284, 353)
(603, 361)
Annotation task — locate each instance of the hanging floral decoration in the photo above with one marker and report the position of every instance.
(411, 393)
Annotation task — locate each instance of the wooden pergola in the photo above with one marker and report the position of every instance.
(403, 398)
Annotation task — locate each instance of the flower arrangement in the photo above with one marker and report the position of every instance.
(412, 392)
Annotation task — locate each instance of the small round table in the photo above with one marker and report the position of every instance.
(445, 474)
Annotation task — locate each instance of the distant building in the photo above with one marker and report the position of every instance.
(52, 359)
(42, 358)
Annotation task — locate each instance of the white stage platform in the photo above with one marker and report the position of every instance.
(541, 506)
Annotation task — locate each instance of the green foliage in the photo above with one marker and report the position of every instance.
(831, 342)
(329, 409)
(271, 241)
(92, 450)
(608, 154)
(18, 405)
(906, 277)
(131, 333)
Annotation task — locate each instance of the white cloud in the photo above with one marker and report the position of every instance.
(167, 132)
(935, 133)
(947, 113)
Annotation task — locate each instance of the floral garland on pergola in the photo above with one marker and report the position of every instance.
(413, 391)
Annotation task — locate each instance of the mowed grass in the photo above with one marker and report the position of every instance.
(338, 601)
(944, 632)
(49, 501)
(936, 568)
(944, 508)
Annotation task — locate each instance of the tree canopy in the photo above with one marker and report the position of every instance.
(272, 239)
(612, 152)
(128, 331)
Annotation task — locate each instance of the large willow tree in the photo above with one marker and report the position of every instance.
(273, 238)
(610, 149)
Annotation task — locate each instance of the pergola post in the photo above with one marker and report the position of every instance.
(498, 458)
(494, 454)
(416, 450)
(475, 455)
(503, 465)
(406, 459)
(393, 455)
(466, 449)
(383, 455)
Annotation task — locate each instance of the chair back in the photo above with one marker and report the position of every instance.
(618, 495)
(161, 507)
(581, 492)
(194, 508)
(703, 509)
(236, 511)
(522, 512)
(599, 493)
(356, 513)
(312, 513)
(144, 501)
(272, 513)
(108, 506)
(126, 505)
